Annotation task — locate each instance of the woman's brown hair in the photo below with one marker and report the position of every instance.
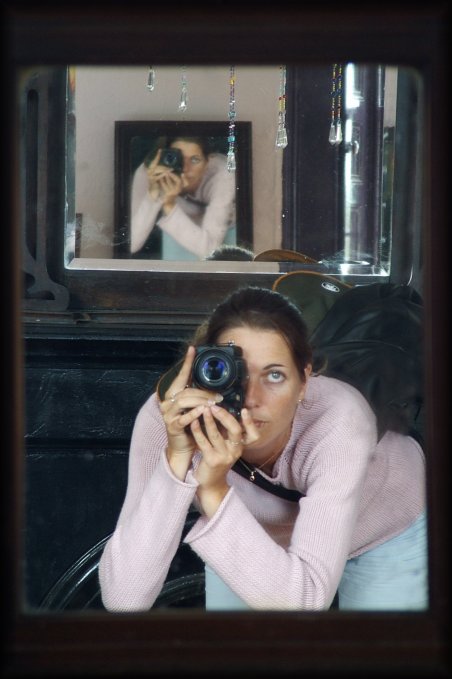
(261, 309)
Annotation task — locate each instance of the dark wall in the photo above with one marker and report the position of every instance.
(82, 395)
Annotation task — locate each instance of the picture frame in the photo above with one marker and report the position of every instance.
(137, 140)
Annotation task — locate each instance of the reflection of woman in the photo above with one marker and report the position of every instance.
(193, 209)
(359, 529)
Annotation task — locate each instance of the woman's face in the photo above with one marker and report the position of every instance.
(273, 390)
(195, 163)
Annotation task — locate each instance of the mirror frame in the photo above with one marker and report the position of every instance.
(286, 644)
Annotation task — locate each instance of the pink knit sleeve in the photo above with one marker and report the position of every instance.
(136, 559)
(144, 210)
(303, 575)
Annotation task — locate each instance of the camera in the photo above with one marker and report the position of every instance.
(222, 369)
(173, 159)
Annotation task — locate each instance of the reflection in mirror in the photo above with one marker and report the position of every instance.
(341, 214)
(215, 201)
(176, 198)
(295, 492)
(317, 480)
(333, 204)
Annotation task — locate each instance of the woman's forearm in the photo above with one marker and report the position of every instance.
(200, 240)
(136, 559)
(143, 221)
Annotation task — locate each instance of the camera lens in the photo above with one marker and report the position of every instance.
(215, 370)
(221, 368)
(171, 158)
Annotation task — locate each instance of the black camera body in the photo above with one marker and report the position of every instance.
(173, 159)
(221, 368)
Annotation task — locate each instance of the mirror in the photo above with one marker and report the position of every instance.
(336, 207)
(347, 188)
(129, 127)
(114, 119)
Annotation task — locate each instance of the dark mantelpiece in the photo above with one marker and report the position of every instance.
(83, 389)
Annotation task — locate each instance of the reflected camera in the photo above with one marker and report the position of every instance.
(222, 369)
(173, 159)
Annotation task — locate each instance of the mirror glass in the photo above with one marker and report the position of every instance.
(341, 199)
(119, 116)
(115, 123)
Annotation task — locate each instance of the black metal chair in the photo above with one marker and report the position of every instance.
(78, 588)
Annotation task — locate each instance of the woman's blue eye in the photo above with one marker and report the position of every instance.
(275, 376)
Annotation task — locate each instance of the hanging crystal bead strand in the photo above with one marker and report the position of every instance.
(335, 136)
(339, 106)
(281, 133)
(231, 164)
(151, 79)
(184, 92)
(332, 135)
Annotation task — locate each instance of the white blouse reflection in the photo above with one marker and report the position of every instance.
(194, 208)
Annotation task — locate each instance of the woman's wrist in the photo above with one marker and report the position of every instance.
(180, 461)
(211, 498)
(154, 190)
(168, 206)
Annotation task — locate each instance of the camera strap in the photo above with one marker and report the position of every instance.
(253, 476)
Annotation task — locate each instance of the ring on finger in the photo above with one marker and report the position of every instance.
(173, 398)
(235, 443)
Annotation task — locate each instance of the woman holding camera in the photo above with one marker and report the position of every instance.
(357, 527)
(188, 193)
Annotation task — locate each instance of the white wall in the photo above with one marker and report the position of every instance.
(106, 94)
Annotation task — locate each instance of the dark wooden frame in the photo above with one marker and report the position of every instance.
(126, 131)
(267, 644)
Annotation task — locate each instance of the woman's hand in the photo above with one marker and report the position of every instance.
(181, 407)
(154, 172)
(164, 184)
(221, 444)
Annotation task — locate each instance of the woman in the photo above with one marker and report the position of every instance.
(359, 527)
(194, 209)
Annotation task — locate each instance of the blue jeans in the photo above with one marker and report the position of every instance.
(392, 576)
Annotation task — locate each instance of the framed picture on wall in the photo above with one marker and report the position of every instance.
(175, 198)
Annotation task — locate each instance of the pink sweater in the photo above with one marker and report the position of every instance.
(273, 553)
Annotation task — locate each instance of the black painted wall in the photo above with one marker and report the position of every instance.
(82, 395)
